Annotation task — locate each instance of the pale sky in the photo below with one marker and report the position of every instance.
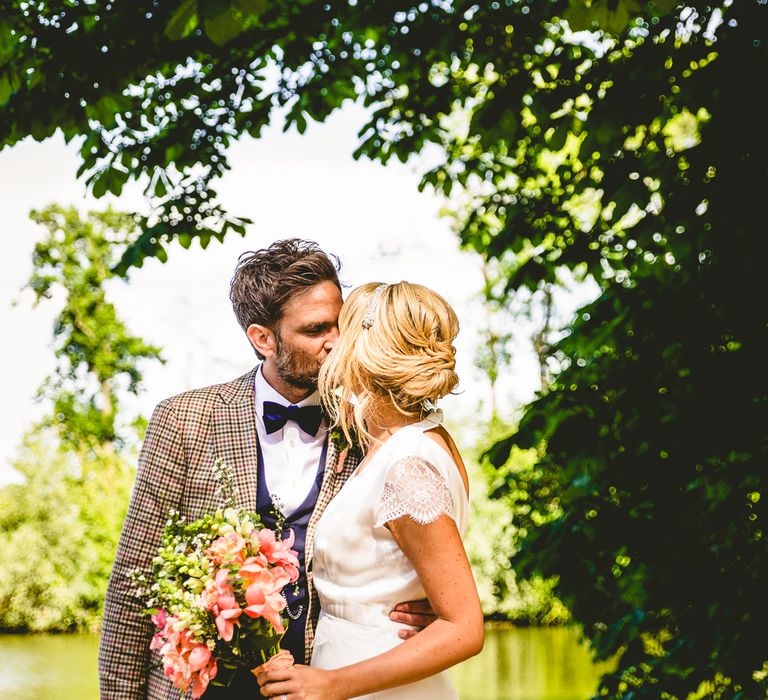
(308, 186)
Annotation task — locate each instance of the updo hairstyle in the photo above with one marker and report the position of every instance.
(395, 345)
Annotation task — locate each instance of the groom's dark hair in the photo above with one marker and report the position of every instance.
(265, 279)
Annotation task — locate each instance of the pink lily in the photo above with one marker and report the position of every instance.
(229, 611)
(253, 565)
(280, 552)
(264, 598)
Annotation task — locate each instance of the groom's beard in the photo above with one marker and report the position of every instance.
(296, 367)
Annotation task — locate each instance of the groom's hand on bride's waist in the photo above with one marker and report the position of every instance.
(416, 613)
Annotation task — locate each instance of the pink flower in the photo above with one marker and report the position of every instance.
(220, 600)
(252, 565)
(203, 677)
(264, 597)
(227, 549)
(280, 552)
(218, 588)
(159, 618)
(186, 663)
(229, 611)
(199, 657)
(203, 667)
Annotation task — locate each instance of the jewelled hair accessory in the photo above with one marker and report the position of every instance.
(368, 318)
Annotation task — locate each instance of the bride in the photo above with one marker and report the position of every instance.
(394, 531)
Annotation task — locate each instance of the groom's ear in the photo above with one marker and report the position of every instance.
(263, 339)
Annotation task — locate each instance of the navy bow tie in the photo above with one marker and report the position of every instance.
(276, 416)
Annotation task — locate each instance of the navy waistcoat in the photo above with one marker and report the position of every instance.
(296, 594)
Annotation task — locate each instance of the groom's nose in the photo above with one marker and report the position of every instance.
(331, 339)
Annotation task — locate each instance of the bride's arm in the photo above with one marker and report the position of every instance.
(437, 553)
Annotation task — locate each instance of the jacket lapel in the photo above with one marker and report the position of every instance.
(233, 424)
(338, 467)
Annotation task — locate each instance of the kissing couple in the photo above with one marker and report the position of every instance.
(336, 428)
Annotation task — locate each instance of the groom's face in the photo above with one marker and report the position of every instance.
(307, 332)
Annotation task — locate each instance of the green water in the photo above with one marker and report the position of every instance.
(529, 664)
(516, 664)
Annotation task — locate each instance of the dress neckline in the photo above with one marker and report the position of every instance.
(432, 420)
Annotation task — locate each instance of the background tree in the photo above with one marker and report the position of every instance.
(511, 326)
(96, 354)
(493, 351)
(496, 531)
(70, 506)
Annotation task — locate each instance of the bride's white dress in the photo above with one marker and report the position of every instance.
(359, 571)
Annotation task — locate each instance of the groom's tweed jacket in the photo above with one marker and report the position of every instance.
(186, 434)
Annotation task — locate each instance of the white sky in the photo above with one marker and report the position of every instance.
(308, 186)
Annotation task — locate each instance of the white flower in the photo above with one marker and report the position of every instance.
(179, 625)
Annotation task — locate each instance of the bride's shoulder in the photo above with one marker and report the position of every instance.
(440, 448)
(427, 440)
(439, 436)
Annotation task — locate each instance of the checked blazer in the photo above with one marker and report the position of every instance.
(185, 436)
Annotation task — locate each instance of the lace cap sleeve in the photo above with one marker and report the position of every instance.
(414, 487)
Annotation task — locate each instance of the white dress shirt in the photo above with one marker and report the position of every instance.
(291, 457)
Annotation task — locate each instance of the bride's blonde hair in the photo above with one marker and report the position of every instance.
(395, 346)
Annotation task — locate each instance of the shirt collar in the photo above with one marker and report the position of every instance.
(264, 391)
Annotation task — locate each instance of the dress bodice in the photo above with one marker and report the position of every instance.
(359, 570)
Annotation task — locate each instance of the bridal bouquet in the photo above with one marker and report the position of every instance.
(215, 594)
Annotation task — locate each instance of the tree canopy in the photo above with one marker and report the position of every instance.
(160, 91)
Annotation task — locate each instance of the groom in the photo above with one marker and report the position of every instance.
(268, 427)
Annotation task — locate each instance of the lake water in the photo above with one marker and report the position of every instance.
(516, 664)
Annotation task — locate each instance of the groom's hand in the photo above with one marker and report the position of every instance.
(417, 613)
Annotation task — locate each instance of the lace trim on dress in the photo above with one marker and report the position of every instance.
(414, 487)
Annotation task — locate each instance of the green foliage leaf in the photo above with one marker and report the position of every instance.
(7, 42)
(183, 21)
(184, 239)
(252, 7)
(5, 89)
(609, 15)
(224, 27)
(211, 9)
(99, 184)
(666, 5)
(494, 121)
